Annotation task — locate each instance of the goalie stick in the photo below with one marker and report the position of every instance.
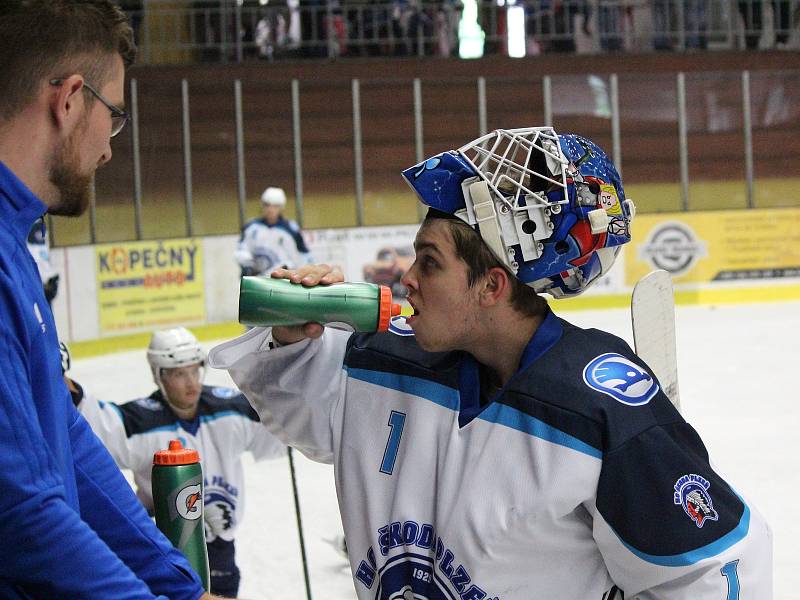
(299, 522)
(653, 322)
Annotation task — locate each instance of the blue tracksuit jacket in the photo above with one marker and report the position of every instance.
(70, 524)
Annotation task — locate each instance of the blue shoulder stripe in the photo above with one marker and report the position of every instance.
(694, 556)
(220, 414)
(435, 392)
(516, 419)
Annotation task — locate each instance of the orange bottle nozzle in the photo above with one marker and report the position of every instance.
(387, 310)
(176, 455)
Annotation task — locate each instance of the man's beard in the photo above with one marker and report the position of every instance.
(75, 189)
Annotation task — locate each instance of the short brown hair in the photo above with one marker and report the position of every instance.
(41, 39)
(479, 259)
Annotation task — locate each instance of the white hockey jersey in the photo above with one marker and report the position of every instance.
(578, 475)
(264, 247)
(225, 428)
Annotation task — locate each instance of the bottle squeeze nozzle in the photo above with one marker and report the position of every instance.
(268, 302)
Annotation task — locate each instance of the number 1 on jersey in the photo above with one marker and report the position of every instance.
(397, 421)
(729, 573)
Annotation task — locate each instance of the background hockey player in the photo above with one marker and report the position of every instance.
(216, 421)
(485, 448)
(39, 247)
(71, 526)
(271, 241)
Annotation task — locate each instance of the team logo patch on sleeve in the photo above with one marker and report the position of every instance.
(616, 376)
(398, 326)
(224, 393)
(691, 492)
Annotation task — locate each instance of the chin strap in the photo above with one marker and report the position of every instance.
(485, 212)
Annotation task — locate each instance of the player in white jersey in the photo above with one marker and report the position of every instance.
(216, 421)
(39, 247)
(271, 241)
(484, 448)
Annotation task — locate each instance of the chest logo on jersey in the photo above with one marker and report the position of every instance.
(420, 566)
(398, 326)
(691, 492)
(616, 376)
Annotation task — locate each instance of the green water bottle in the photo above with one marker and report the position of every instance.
(178, 504)
(267, 302)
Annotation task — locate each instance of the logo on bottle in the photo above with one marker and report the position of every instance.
(189, 502)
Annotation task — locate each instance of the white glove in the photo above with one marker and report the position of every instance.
(218, 520)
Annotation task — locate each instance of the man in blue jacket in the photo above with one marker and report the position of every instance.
(69, 523)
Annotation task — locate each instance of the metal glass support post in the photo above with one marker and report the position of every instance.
(747, 116)
(240, 174)
(238, 31)
(144, 28)
(420, 31)
(298, 152)
(482, 106)
(187, 156)
(547, 100)
(419, 140)
(329, 29)
(357, 158)
(683, 143)
(223, 31)
(137, 159)
(616, 142)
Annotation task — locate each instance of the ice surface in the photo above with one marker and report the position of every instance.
(739, 369)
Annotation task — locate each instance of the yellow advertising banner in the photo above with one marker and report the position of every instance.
(703, 247)
(149, 285)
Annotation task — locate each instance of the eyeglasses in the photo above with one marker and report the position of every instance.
(118, 116)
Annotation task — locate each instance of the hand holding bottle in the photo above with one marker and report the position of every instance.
(296, 302)
(309, 276)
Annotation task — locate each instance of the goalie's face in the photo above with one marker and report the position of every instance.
(182, 386)
(446, 309)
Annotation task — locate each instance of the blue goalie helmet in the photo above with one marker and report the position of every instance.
(550, 207)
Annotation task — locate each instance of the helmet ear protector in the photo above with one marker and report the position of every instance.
(550, 207)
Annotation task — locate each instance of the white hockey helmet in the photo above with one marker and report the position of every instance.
(274, 196)
(172, 348)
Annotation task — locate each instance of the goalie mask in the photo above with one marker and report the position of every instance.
(550, 207)
(173, 348)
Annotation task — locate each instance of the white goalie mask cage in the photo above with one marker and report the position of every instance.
(550, 207)
(526, 173)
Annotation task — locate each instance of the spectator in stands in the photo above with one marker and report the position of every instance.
(751, 16)
(782, 19)
(666, 24)
(135, 11)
